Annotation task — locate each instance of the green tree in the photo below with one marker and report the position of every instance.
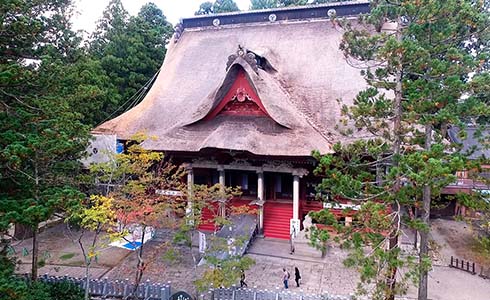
(41, 139)
(89, 90)
(131, 51)
(205, 8)
(292, 2)
(216, 200)
(416, 57)
(134, 181)
(262, 4)
(219, 6)
(96, 216)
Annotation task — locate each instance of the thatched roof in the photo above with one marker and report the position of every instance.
(475, 142)
(304, 76)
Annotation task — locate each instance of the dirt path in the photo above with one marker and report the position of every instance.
(453, 238)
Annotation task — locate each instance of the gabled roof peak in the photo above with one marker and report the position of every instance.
(255, 61)
(241, 97)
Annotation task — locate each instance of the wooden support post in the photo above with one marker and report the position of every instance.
(295, 196)
(260, 198)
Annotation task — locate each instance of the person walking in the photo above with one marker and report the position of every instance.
(297, 276)
(242, 279)
(285, 277)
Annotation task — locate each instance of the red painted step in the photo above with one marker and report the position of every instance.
(207, 218)
(276, 219)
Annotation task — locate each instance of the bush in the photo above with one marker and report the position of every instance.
(15, 288)
(484, 245)
(65, 290)
(324, 216)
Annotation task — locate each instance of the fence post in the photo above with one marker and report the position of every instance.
(277, 293)
(126, 288)
(452, 259)
(147, 288)
(473, 268)
(104, 287)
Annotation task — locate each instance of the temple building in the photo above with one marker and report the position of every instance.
(243, 99)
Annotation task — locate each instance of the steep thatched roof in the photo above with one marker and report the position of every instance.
(305, 74)
(474, 143)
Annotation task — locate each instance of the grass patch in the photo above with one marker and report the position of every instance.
(480, 250)
(67, 256)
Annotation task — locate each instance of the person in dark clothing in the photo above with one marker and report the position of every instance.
(297, 276)
(242, 279)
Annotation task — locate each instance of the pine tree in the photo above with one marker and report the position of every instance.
(262, 4)
(416, 57)
(292, 2)
(41, 139)
(218, 6)
(131, 51)
(221, 6)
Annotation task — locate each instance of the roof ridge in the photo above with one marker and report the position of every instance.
(278, 9)
(308, 12)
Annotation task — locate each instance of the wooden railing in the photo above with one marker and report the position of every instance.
(463, 265)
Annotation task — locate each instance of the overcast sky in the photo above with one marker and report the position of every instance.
(89, 11)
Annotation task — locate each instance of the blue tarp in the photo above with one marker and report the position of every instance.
(132, 246)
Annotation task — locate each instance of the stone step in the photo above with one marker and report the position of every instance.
(301, 248)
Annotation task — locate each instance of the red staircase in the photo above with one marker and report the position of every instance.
(276, 219)
(207, 218)
(241, 205)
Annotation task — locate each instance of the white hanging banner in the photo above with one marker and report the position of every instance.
(202, 242)
(294, 226)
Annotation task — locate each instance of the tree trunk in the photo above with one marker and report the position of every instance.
(22, 231)
(140, 266)
(415, 238)
(397, 140)
(424, 234)
(87, 281)
(35, 252)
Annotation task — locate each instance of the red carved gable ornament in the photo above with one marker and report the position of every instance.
(240, 100)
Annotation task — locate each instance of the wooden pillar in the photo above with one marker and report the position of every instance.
(221, 171)
(222, 183)
(295, 197)
(190, 184)
(294, 225)
(190, 179)
(260, 197)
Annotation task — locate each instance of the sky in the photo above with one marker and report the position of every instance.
(89, 11)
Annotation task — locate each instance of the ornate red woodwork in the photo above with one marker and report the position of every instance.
(240, 100)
